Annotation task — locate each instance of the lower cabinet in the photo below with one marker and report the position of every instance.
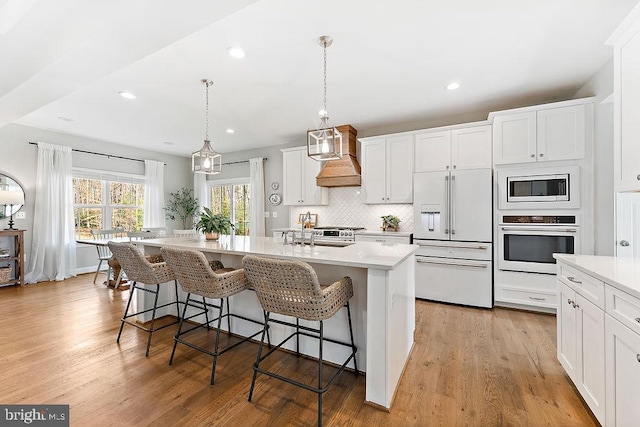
(580, 341)
(598, 339)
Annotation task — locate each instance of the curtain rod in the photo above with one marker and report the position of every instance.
(100, 154)
(243, 161)
(138, 160)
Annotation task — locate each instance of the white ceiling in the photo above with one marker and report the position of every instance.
(388, 66)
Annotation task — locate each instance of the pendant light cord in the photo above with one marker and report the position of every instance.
(206, 114)
(326, 112)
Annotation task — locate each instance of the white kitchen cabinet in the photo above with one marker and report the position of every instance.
(387, 169)
(545, 134)
(580, 339)
(622, 334)
(299, 179)
(623, 374)
(464, 148)
(626, 126)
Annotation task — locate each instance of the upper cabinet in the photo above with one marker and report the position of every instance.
(299, 179)
(387, 169)
(465, 148)
(626, 126)
(545, 134)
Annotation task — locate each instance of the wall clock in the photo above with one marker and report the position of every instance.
(275, 185)
(275, 199)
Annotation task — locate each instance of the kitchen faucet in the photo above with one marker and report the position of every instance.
(306, 217)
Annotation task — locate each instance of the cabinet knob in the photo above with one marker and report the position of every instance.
(383, 198)
(454, 166)
(569, 302)
(448, 168)
(638, 357)
(533, 155)
(637, 319)
(541, 154)
(638, 177)
(624, 243)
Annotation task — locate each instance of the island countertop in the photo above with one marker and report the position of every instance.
(361, 254)
(621, 273)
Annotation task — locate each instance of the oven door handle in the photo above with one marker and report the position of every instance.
(563, 230)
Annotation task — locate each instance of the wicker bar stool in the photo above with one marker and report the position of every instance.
(205, 279)
(291, 288)
(150, 271)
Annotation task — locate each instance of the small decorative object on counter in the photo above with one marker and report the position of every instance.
(390, 223)
(308, 222)
(212, 225)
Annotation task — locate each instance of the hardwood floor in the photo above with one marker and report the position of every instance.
(469, 367)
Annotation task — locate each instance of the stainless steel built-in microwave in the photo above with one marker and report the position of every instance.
(543, 188)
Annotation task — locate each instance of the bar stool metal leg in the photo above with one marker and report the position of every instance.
(153, 319)
(126, 310)
(257, 364)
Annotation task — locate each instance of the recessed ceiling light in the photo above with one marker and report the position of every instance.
(230, 131)
(453, 85)
(235, 52)
(125, 94)
(66, 119)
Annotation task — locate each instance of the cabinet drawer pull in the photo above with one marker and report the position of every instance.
(569, 302)
(538, 298)
(573, 279)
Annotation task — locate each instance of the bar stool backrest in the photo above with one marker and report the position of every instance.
(286, 287)
(137, 267)
(195, 275)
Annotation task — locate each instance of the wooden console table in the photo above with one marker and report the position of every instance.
(15, 259)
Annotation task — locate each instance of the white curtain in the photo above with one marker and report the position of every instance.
(154, 215)
(200, 189)
(256, 181)
(53, 244)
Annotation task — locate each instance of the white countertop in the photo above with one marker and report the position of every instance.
(621, 273)
(361, 255)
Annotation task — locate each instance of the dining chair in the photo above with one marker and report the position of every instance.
(104, 254)
(291, 288)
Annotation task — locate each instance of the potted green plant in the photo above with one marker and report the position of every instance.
(212, 225)
(182, 205)
(390, 223)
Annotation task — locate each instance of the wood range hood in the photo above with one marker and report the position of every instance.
(344, 172)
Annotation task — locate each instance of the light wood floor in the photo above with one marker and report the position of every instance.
(469, 367)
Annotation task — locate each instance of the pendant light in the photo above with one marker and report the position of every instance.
(324, 143)
(206, 160)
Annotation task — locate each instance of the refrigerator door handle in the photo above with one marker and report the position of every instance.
(453, 204)
(453, 264)
(446, 213)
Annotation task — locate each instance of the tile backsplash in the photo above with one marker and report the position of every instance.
(346, 208)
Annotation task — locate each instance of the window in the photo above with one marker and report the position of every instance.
(102, 201)
(232, 200)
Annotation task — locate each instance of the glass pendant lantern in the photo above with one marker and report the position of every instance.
(206, 160)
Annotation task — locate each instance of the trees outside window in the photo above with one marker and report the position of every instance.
(107, 202)
(232, 201)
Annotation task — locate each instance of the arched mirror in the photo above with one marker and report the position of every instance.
(11, 196)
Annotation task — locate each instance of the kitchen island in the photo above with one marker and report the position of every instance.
(383, 305)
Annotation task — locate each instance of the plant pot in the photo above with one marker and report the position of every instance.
(389, 228)
(212, 236)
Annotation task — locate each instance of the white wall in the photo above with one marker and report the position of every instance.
(18, 159)
(601, 86)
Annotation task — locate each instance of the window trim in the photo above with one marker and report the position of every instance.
(228, 181)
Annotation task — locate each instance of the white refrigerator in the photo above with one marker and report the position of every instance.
(453, 226)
